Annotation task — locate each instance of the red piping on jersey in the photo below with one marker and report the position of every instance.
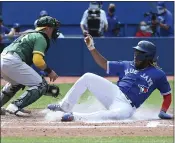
(166, 102)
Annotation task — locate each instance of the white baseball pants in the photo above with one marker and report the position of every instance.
(109, 94)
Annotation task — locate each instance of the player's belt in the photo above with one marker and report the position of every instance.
(132, 104)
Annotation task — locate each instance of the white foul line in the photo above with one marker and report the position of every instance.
(70, 127)
(76, 127)
(153, 124)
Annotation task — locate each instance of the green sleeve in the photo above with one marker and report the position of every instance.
(40, 45)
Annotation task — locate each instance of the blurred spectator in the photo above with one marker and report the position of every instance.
(113, 23)
(15, 30)
(3, 32)
(164, 20)
(42, 13)
(144, 30)
(94, 20)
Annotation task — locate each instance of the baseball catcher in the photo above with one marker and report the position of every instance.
(16, 59)
(137, 80)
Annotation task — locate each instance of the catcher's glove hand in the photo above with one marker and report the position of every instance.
(53, 90)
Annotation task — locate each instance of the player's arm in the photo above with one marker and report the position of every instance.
(165, 90)
(39, 61)
(99, 59)
(38, 57)
(105, 21)
(38, 53)
(83, 22)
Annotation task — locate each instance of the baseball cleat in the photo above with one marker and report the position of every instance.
(54, 107)
(13, 109)
(67, 117)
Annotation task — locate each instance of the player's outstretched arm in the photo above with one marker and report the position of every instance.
(99, 59)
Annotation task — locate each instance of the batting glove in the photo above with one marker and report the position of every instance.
(89, 42)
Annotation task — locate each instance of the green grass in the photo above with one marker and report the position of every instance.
(89, 140)
(154, 100)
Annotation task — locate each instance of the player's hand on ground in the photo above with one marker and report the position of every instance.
(89, 42)
(163, 115)
(53, 76)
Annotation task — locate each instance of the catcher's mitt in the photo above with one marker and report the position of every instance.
(53, 90)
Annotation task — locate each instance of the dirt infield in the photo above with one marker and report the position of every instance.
(36, 125)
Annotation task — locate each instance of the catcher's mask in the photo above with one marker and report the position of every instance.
(48, 21)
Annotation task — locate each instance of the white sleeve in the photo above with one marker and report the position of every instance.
(84, 18)
(103, 14)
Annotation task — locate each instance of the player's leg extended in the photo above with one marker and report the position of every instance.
(120, 108)
(23, 74)
(121, 111)
(104, 90)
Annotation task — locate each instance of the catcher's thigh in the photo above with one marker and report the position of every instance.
(18, 71)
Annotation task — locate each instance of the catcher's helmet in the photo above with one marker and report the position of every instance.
(47, 21)
(148, 49)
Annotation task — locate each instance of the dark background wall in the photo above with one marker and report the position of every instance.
(70, 13)
(71, 57)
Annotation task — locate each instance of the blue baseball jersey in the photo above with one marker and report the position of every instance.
(138, 84)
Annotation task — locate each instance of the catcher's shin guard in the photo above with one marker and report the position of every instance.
(9, 91)
(31, 95)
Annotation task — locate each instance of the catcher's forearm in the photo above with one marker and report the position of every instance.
(99, 59)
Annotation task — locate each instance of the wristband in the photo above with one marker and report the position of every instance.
(47, 70)
(91, 48)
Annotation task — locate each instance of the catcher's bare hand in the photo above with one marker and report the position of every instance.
(53, 76)
(89, 42)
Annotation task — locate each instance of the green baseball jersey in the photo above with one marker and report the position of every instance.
(26, 45)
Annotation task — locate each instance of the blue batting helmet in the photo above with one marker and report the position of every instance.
(148, 49)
